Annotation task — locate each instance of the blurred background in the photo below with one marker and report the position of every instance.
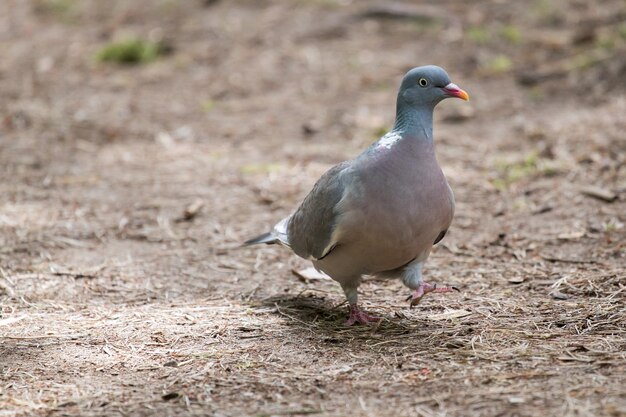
(142, 141)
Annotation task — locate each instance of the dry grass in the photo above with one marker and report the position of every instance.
(125, 196)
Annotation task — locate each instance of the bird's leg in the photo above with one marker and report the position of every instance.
(412, 278)
(356, 315)
(425, 288)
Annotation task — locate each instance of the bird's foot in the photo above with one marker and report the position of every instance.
(425, 288)
(359, 316)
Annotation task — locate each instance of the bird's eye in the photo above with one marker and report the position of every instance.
(423, 82)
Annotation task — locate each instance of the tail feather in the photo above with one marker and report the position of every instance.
(267, 238)
(277, 235)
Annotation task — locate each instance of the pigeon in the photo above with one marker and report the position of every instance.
(381, 213)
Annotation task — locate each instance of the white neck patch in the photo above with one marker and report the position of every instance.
(387, 141)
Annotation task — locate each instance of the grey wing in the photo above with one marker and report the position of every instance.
(311, 227)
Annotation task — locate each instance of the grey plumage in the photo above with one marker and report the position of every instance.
(311, 227)
(380, 213)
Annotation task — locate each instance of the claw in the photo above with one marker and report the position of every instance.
(425, 288)
(415, 301)
(359, 316)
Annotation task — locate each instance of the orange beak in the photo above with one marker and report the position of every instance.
(453, 90)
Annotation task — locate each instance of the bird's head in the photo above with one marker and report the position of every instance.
(427, 86)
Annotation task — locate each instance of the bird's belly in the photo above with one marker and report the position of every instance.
(385, 245)
(416, 220)
(396, 246)
(366, 256)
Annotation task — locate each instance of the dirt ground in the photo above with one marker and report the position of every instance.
(126, 190)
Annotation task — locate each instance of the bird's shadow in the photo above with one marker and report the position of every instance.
(306, 309)
(318, 315)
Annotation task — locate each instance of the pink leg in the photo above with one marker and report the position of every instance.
(359, 316)
(425, 288)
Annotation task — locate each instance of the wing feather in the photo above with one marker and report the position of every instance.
(312, 229)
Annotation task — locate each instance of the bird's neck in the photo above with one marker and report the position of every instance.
(414, 122)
